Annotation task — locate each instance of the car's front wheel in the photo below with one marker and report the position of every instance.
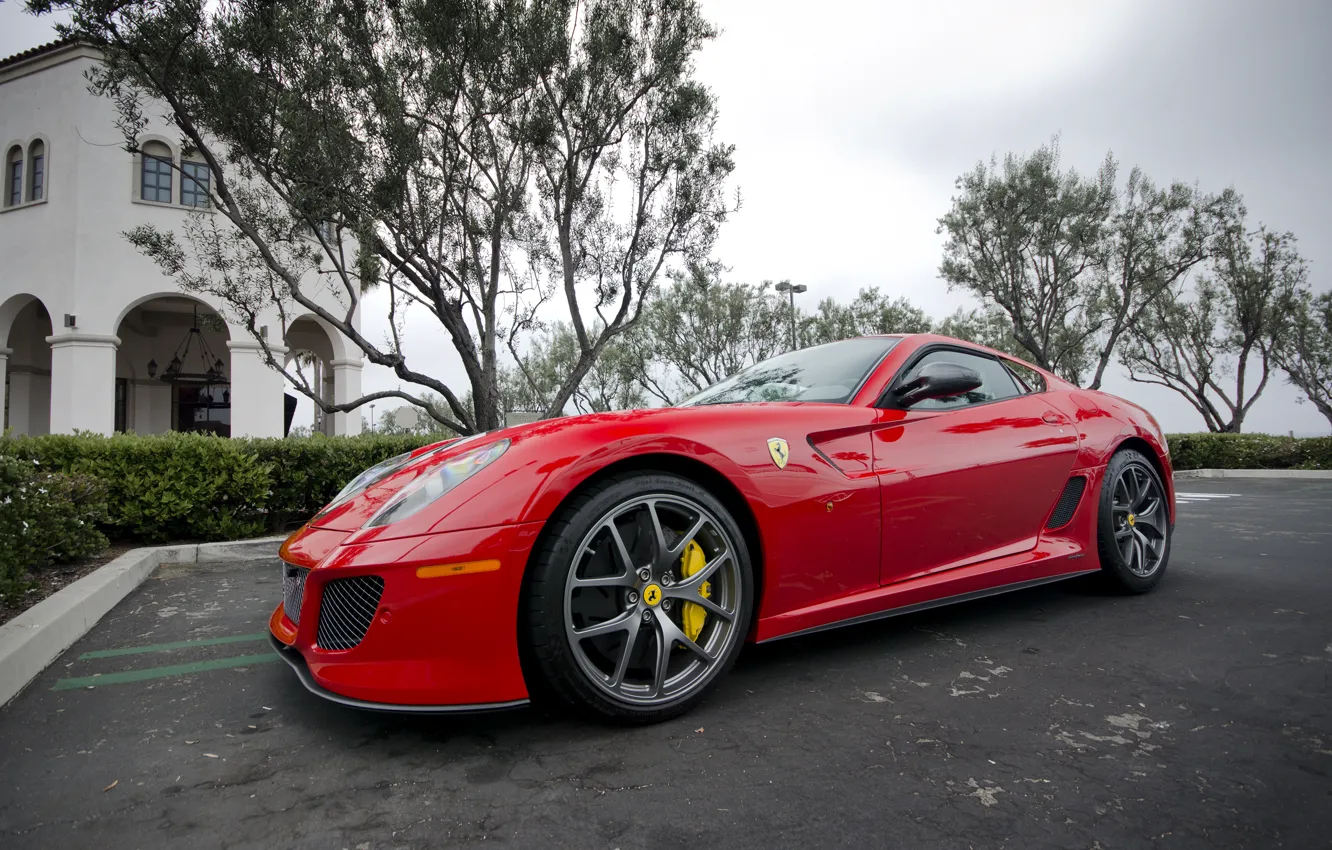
(1133, 528)
(639, 597)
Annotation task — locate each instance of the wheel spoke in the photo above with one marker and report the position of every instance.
(1123, 533)
(622, 580)
(1151, 519)
(620, 549)
(658, 532)
(663, 661)
(711, 607)
(689, 535)
(688, 588)
(630, 644)
(673, 635)
(614, 624)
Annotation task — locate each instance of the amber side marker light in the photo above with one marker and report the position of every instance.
(457, 569)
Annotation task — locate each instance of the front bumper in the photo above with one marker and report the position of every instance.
(439, 644)
(297, 662)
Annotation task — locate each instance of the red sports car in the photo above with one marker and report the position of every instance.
(619, 560)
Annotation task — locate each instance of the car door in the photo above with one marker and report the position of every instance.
(966, 478)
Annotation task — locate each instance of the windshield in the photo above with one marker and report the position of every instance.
(828, 373)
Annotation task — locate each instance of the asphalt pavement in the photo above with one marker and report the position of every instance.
(1196, 716)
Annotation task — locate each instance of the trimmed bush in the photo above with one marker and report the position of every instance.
(45, 518)
(175, 486)
(1249, 451)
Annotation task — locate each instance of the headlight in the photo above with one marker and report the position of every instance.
(380, 470)
(435, 482)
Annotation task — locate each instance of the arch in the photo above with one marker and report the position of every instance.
(318, 351)
(153, 296)
(25, 323)
(13, 176)
(38, 169)
(158, 332)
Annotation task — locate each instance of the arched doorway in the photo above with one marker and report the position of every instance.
(173, 368)
(28, 367)
(318, 355)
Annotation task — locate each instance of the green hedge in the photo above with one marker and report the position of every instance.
(1249, 451)
(45, 518)
(200, 487)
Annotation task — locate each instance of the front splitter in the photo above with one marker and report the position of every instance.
(297, 663)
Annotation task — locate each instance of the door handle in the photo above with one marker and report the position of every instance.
(1052, 418)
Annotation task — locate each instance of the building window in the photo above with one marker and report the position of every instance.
(194, 184)
(36, 171)
(122, 399)
(155, 180)
(14, 177)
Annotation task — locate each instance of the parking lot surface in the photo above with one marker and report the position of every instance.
(1196, 716)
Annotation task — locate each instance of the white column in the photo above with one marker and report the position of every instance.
(256, 391)
(4, 370)
(346, 387)
(83, 382)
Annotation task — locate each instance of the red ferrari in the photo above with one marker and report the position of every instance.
(617, 561)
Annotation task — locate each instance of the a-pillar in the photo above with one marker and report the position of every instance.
(346, 387)
(83, 382)
(257, 407)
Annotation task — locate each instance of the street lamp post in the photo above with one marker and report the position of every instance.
(372, 419)
(788, 287)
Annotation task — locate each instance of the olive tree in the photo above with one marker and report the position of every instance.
(485, 161)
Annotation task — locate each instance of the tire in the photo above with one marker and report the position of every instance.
(595, 630)
(1133, 524)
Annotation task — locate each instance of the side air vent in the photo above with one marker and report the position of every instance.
(346, 610)
(1068, 502)
(293, 591)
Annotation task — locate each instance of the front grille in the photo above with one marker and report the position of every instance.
(346, 610)
(1068, 502)
(293, 591)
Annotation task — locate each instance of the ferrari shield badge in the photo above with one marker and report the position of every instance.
(780, 454)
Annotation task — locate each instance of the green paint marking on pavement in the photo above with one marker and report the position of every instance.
(180, 644)
(162, 672)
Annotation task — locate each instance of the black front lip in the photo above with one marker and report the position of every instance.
(297, 662)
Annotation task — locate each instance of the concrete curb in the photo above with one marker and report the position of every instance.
(35, 638)
(1255, 473)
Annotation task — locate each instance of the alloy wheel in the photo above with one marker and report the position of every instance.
(1138, 514)
(652, 599)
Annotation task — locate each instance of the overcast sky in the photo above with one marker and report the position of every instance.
(852, 118)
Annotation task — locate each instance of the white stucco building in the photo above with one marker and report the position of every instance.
(89, 326)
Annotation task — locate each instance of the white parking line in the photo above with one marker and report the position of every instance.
(1201, 498)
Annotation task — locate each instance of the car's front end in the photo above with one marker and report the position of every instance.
(386, 605)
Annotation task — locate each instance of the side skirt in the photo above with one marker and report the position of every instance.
(932, 603)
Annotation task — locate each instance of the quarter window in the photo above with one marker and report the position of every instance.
(996, 383)
(194, 184)
(155, 181)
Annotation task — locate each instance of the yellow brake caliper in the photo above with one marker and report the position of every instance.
(693, 616)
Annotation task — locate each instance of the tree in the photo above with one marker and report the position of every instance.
(1209, 344)
(1150, 241)
(1306, 353)
(608, 385)
(988, 326)
(700, 330)
(872, 312)
(1027, 238)
(479, 158)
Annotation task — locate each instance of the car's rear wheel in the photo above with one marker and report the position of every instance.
(639, 597)
(1133, 528)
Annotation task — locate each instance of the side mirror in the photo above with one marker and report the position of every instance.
(937, 380)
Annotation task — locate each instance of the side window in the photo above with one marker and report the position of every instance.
(1028, 379)
(14, 177)
(37, 171)
(996, 384)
